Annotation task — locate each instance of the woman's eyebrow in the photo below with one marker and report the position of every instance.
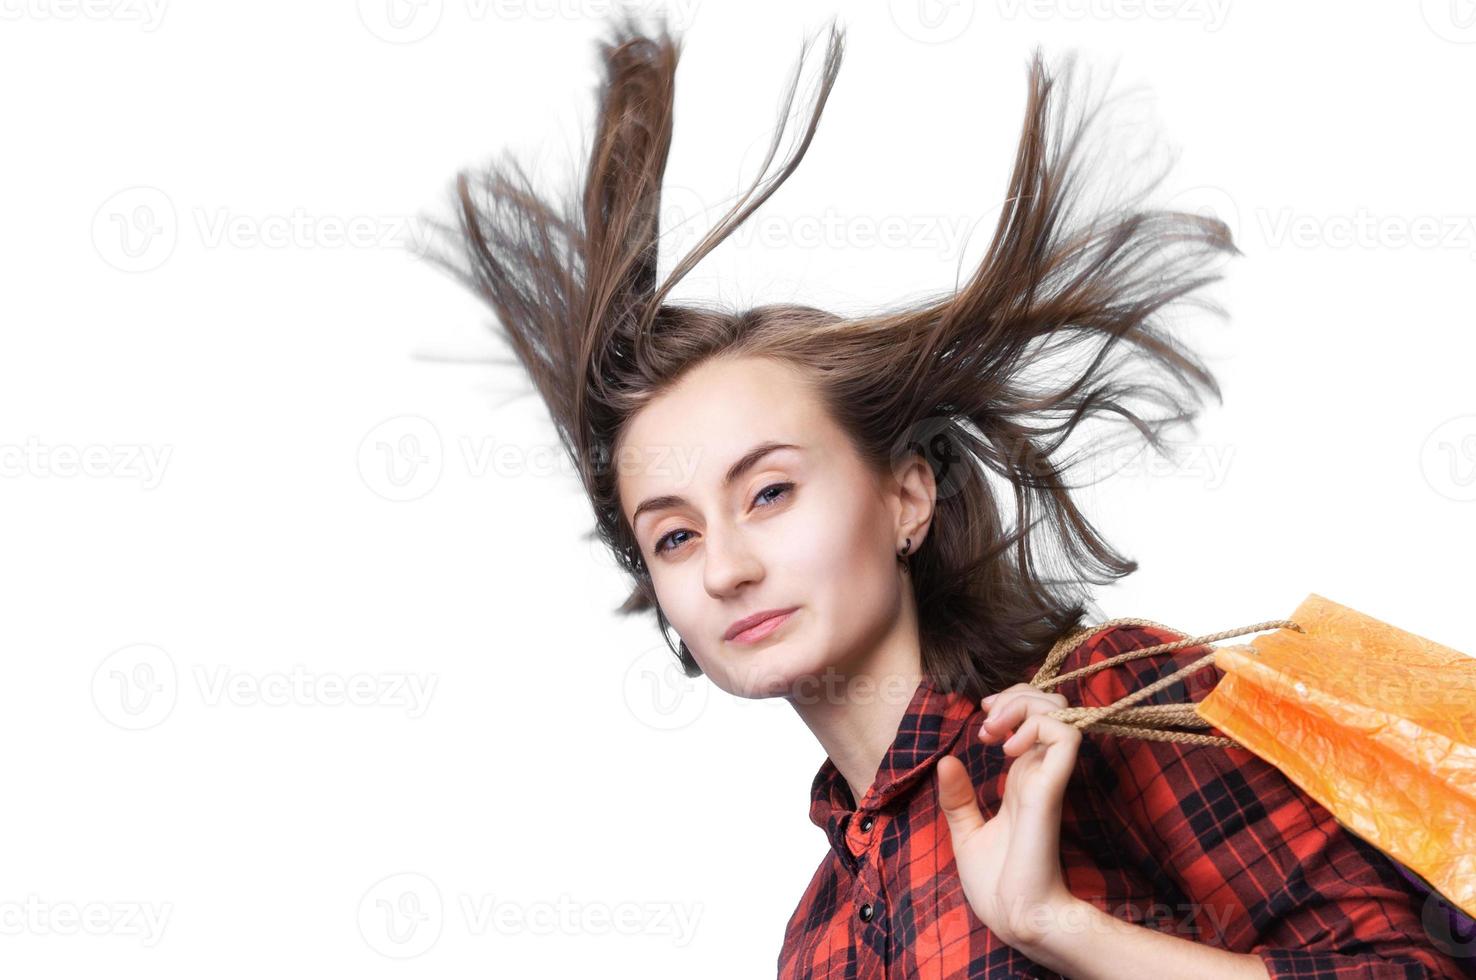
(743, 464)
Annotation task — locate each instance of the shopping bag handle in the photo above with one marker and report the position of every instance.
(1158, 722)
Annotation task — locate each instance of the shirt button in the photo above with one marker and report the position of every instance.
(866, 823)
(867, 912)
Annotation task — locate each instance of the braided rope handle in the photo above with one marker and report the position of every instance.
(1156, 722)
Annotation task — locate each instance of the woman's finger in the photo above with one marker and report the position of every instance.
(1059, 740)
(956, 797)
(1012, 696)
(1020, 688)
(1004, 715)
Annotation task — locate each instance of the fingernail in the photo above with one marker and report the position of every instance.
(991, 698)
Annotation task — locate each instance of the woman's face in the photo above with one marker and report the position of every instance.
(728, 530)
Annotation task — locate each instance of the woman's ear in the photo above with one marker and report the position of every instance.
(917, 494)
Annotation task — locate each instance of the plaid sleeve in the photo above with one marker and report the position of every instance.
(1260, 865)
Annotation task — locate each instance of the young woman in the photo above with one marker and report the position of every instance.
(871, 518)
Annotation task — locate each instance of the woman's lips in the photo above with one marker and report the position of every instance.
(760, 630)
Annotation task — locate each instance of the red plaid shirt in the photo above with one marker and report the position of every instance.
(1207, 843)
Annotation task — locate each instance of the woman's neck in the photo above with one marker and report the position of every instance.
(856, 713)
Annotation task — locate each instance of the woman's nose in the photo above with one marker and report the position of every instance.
(730, 562)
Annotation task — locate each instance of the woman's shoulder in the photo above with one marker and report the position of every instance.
(1100, 683)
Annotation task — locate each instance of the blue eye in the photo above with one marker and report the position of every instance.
(768, 501)
(667, 537)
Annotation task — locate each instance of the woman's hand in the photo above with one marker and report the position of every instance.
(1010, 865)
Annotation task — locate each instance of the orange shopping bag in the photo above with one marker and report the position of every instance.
(1375, 723)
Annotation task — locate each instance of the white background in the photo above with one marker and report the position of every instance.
(181, 313)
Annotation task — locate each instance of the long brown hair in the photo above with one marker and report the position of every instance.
(961, 379)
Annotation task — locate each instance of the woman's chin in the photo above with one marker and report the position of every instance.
(778, 670)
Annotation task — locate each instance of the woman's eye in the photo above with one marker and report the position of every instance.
(661, 544)
(667, 541)
(783, 488)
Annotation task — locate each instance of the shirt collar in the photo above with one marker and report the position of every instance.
(928, 730)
